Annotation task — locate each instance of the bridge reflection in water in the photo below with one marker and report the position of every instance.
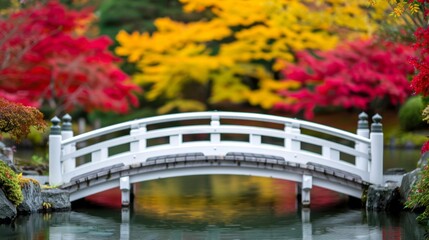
(102, 224)
(238, 207)
(215, 207)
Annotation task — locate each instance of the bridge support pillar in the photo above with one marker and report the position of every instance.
(307, 184)
(125, 187)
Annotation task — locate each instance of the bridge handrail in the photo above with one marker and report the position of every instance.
(221, 115)
(365, 146)
(197, 129)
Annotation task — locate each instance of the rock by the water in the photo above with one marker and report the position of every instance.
(7, 209)
(383, 198)
(408, 181)
(6, 155)
(35, 199)
(423, 161)
(32, 198)
(395, 171)
(8, 162)
(58, 200)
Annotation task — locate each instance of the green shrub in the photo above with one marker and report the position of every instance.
(400, 138)
(415, 139)
(419, 195)
(410, 114)
(9, 183)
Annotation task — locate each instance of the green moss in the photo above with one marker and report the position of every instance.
(23, 181)
(9, 183)
(50, 186)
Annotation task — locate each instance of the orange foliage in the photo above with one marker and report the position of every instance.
(16, 119)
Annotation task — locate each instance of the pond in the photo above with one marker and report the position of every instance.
(215, 207)
(222, 207)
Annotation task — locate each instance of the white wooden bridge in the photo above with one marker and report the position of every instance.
(203, 143)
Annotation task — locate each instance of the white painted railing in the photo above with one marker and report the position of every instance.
(295, 140)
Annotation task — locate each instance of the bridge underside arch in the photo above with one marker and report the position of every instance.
(273, 167)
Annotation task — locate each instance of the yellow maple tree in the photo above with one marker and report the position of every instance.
(234, 55)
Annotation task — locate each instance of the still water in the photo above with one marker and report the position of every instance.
(215, 207)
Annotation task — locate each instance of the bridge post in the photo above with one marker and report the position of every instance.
(376, 136)
(362, 130)
(67, 132)
(55, 153)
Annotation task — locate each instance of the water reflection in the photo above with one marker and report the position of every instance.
(401, 158)
(345, 224)
(214, 199)
(217, 207)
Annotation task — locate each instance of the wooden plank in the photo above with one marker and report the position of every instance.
(334, 171)
(104, 169)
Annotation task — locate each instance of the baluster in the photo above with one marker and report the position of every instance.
(215, 137)
(140, 142)
(99, 155)
(330, 153)
(292, 143)
(255, 139)
(176, 140)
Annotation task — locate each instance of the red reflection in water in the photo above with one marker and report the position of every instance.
(288, 203)
(320, 197)
(110, 198)
(391, 233)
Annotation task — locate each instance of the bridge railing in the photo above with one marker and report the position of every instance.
(216, 133)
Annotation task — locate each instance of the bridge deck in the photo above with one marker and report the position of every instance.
(198, 160)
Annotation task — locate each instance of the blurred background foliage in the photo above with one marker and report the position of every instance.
(194, 55)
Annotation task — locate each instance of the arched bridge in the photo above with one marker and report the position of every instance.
(216, 143)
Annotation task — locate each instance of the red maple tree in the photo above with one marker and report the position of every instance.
(420, 82)
(43, 61)
(349, 76)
